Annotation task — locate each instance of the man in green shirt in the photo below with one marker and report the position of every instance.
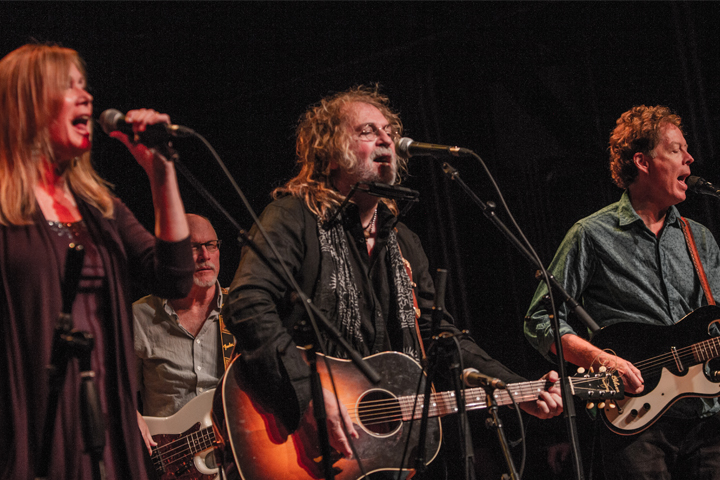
(629, 263)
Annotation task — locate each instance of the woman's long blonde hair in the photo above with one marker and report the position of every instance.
(33, 80)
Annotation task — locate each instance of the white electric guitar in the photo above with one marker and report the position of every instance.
(185, 442)
(672, 361)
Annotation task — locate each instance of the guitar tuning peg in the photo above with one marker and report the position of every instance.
(581, 370)
(590, 405)
(601, 405)
(612, 404)
(602, 369)
(592, 370)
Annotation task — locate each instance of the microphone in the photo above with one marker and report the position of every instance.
(473, 378)
(700, 185)
(407, 147)
(112, 120)
(384, 190)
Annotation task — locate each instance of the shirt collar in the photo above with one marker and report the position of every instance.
(219, 301)
(628, 215)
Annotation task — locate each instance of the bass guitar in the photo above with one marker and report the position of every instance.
(386, 417)
(671, 360)
(185, 441)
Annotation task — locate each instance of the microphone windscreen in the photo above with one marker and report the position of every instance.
(402, 146)
(693, 182)
(109, 120)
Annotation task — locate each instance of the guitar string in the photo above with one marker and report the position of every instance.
(530, 389)
(206, 434)
(181, 455)
(652, 366)
(391, 409)
(684, 352)
(180, 448)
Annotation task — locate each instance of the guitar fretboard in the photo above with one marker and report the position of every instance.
(445, 403)
(706, 350)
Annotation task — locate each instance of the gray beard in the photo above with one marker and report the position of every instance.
(207, 284)
(366, 174)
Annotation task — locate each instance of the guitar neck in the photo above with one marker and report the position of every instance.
(706, 350)
(444, 403)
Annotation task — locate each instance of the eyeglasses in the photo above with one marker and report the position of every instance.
(369, 132)
(210, 246)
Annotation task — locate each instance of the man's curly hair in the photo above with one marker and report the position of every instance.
(637, 130)
(323, 138)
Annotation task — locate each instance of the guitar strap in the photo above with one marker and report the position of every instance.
(227, 340)
(696, 260)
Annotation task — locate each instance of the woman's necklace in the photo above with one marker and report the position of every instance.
(367, 231)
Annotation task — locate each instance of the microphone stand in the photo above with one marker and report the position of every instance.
(443, 345)
(496, 423)
(568, 402)
(430, 367)
(465, 435)
(68, 343)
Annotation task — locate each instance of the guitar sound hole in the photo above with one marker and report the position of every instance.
(379, 413)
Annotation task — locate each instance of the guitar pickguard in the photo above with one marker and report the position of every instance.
(635, 414)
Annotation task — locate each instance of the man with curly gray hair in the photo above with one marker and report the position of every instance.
(360, 266)
(632, 262)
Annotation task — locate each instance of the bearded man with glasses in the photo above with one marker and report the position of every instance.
(352, 262)
(180, 344)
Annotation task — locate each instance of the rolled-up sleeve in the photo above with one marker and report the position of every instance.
(572, 268)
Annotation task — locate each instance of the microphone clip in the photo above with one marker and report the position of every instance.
(473, 378)
(392, 192)
(378, 189)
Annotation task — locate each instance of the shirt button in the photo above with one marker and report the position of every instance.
(198, 341)
(199, 368)
(200, 389)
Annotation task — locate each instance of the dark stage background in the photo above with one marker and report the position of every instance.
(533, 88)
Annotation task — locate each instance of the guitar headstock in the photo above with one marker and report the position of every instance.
(600, 386)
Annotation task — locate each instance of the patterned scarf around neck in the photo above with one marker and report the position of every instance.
(336, 293)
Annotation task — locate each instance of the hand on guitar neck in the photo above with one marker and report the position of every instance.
(584, 354)
(549, 403)
(335, 417)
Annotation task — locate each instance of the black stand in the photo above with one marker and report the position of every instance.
(69, 343)
(429, 364)
(464, 434)
(568, 402)
(495, 422)
(444, 346)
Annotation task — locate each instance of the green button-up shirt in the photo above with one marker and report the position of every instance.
(621, 272)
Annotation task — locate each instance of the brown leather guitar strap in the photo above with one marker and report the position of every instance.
(227, 340)
(696, 260)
